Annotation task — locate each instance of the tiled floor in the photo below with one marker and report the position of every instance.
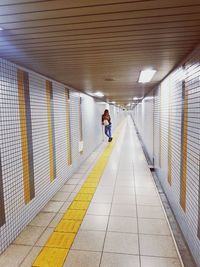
(124, 226)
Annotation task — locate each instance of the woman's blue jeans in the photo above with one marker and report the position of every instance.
(108, 131)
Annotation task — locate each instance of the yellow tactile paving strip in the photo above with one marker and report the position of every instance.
(57, 246)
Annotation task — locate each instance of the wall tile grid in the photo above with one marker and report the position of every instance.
(143, 118)
(177, 145)
(39, 142)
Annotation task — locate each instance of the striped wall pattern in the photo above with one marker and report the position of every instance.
(51, 130)
(170, 136)
(2, 209)
(68, 131)
(34, 107)
(160, 129)
(26, 135)
(184, 140)
(80, 122)
(179, 172)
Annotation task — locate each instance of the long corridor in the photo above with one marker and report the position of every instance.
(124, 226)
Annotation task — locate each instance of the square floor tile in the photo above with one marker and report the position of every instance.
(103, 198)
(129, 190)
(119, 260)
(146, 191)
(124, 199)
(153, 227)
(30, 258)
(14, 255)
(105, 190)
(123, 210)
(78, 258)
(158, 246)
(68, 188)
(125, 183)
(42, 219)
(65, 206)
(99, 209)
(74, 180)
(53, 206)
(56, 220)
(89, 240)
(121, 243)
(122, 224)
(148, 200)
(150, 212)
(159, 262)
(72, 196)
(29, 235)
(61, 196)
(44, 237)
(94, 222)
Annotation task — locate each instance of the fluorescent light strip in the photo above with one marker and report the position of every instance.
(99, 94)
(146, 75)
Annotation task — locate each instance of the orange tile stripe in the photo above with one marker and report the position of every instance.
(69, 156)
(50, 133)
(183, 185)
(24, 139)
(59, 243)
(170, 137)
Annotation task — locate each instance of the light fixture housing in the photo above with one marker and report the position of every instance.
(146, 75)
(99, 94)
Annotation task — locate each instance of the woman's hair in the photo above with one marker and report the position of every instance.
(106, 111)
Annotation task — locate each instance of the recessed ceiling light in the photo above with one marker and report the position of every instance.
(146, 75)
(1, 29)
(99, 94)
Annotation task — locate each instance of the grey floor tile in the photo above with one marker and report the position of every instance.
(102, 198)
(56, 220)
(124, 190)
(30, 258)
(14, 255)
(99, 209)
(64, 207)
(150, 212)
(148, 200)
(159, 246)
(89, 240)
(73, 181)
(122, 224)
(153, 227)
(121, 243)
(43, 219)
(119, 260)
(44, 237)
(78, 258)
(159, 262)
(68, 188)
(94, 222)
(53, 206)
(123, 210)
(29, 235)
(124, 199)
(61, 196)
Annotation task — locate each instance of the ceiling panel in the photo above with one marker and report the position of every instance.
(99, 45)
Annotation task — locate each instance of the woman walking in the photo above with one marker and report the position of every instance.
(106, 121)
